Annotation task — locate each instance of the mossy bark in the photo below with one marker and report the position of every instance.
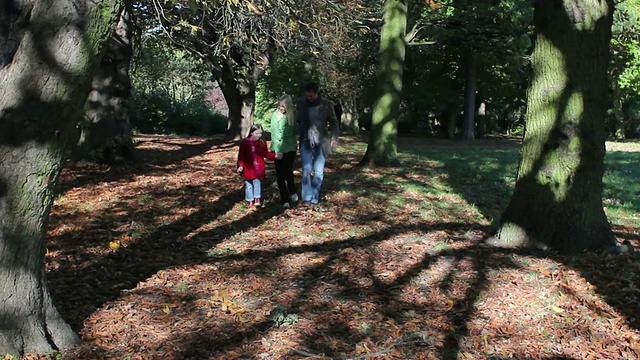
(51, 50)
(383, 148)
(557, 201)
(105, 128)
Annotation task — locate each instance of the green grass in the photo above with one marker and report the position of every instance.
(475, 183)
(621, 195)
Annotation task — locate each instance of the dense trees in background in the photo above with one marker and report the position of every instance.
(624, 119)
(236, 41)
(48, 53)
(173, 92)
(466, 65)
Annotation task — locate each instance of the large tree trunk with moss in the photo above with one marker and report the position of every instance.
(382, 149)
(238, 77)
(105, 128)
(557, 201)
(48, 50)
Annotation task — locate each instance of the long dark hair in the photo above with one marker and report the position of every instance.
(253, 128)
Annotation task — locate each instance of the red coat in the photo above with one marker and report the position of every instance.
(251, 157)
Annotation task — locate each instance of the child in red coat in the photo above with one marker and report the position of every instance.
(251, 156)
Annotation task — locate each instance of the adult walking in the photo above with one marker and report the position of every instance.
(318, 136)
(283, 140)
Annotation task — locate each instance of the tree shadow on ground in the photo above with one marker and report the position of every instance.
(153, 154)
(86, 285)
(388, 295)
(169, 246)
(179, 244)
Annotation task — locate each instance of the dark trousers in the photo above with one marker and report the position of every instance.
(284, 174)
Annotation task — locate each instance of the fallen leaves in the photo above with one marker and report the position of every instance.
(189, 272)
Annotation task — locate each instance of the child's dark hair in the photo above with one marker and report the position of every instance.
(253, 128)
(311, 86)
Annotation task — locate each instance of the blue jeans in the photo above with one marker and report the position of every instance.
(312, 159)
(252, 189)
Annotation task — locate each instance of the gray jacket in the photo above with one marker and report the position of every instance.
(318, 123)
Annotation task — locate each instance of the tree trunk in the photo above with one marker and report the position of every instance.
(557, 201)
(618, 112)
(383, 148)
(238, 78)
(349, 119)
(483, 126)
(468, 123)
(105, 128)
(48, 50)
(452, 116)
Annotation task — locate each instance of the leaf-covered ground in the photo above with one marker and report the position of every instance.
(162, 260)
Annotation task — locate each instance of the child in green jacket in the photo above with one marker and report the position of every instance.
(283, 140)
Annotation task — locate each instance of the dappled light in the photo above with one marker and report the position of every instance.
(162, 259)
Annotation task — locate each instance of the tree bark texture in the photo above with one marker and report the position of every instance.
(105, 127)
(239, 75)
(48, 50)
(383, 148)
(557, 201)
(468, 122)
(618, 112)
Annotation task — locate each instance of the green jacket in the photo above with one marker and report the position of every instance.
(283, 135)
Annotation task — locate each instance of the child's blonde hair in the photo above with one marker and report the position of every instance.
(289, 108)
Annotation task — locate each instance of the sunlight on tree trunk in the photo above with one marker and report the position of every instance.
(557, 201)
(46, 65)
(383, 148)
(238, 78)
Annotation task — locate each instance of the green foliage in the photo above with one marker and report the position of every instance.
(626, 44)
(265, 105)
(625, 69)
(499, 34)
(170, 91)
(286, 75)
(158, 112)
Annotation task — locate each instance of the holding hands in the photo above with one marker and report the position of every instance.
(278, 156)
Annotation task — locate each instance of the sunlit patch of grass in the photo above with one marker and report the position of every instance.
(441, 246)
(621, 196)
(366, 329)
(221, 252)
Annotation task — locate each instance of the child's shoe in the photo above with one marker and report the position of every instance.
(294, 198)
(250, 203)
(256, 202)
(286, 205)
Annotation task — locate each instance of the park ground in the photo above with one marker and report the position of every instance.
(161, 259)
